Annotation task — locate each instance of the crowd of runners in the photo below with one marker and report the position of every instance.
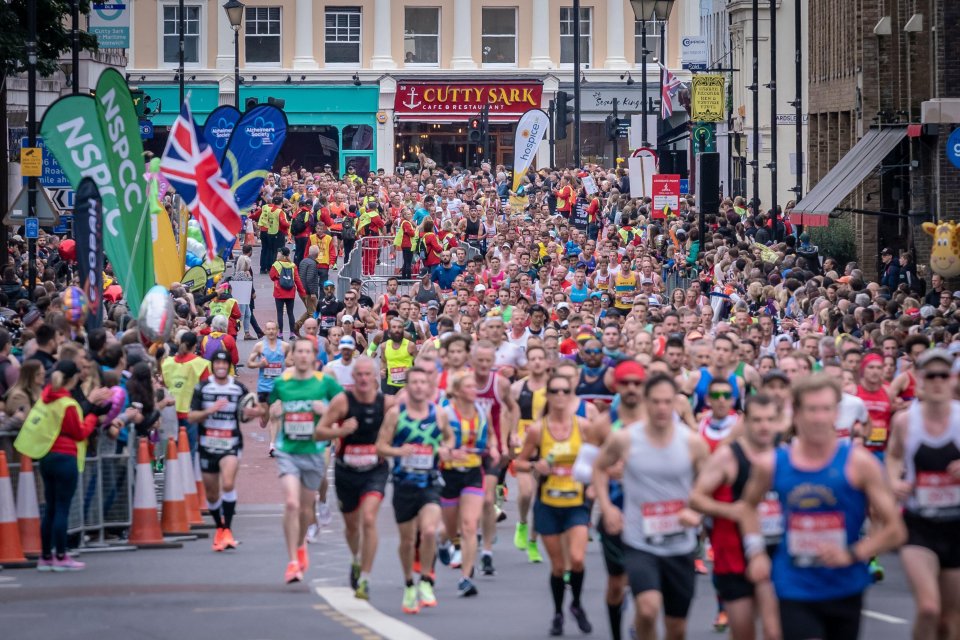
(564, 357)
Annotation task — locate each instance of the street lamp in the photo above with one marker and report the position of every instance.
(234, 10)
(645, 10)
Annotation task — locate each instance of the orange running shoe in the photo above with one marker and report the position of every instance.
(700, 567)
(293, 573)
(709, 553)
(721, 622)
(302, 558)
(218, 540)
(227, 540)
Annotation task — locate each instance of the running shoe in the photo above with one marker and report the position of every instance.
(556, 627)
(313, 533)
(354, 575)
(520, 535)
(228, 541)
(303, 559)
(456, 560)
(876, 570)
(466, 588)
(411, 600)
(218, 540)
(324, 515)
(293, 573)
(700, 567)
(533, 552)
(45, 565)
(271, 451)
(66, 563)
(720, 622)
(581, 617)
(427, 597)
(444, 551)
(362, 592)
(486, 565)
(501, 514)
(708, 552)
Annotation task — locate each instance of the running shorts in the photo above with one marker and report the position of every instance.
(457, 482)
(552, 521)
(309, 468)
(732, 586)
(408, 500)
(210, 460)
(612, 546)
(939, 537)
(352, 485)
(673, 576)
(837, 619)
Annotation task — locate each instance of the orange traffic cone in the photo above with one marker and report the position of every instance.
(145, 532)
(173, 520)
(190, 497)
(28, 508)
(11, 553)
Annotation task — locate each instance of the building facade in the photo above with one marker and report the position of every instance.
(373, 83)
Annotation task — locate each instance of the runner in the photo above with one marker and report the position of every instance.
(269, 357)
(299, 397)
(660, 459)
(561, 514)
(721, 358)
(397, 356)
(825, 489)
(360, 475)
(217, 410)
(342, 368)
(922, 465)
(414, 433)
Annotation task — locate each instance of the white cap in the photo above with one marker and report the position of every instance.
(346, 318)
(346, 342)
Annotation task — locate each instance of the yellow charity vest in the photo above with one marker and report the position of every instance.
(270, 219)
(324, 245)
(42, 426)
(538, 404)
(624, 291)
(399, 362)
(559, 489)
(181, 377)
(222, 307)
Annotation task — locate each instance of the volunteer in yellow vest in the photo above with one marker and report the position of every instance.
(624, 287)
(224, 305)
(55, 432)
(559, 513)
(270, 230)
(327, 251)
(398, 355)
(181, 373)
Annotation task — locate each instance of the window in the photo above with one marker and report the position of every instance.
(262, 35)
(421, 36)
(566, 36)
(342, 35)
(358, 137)
(191, 34)
(654, 40)
(499, 35)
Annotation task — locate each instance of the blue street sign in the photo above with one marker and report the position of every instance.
(146, 130)
(53, 175)
(65, 226)
(31, 227)
(953, 148)
(684, 186)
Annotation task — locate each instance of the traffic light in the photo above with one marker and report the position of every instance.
(563, 116)
(139, 102)
(610, 126)
(475, 130)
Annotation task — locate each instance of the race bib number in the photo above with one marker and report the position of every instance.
(626, 299)
(298, 426)
(809, 533)
(843, 433)
(272, 369)
(218, 440)
(360, 455)
(878, 436)
(398, 375)
(327, 322)
(662, 519)
(420, 460)
(771, 519)
(937, 490)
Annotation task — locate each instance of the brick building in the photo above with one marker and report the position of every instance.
(884, 96)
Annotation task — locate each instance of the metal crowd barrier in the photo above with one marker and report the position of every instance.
(674, 279)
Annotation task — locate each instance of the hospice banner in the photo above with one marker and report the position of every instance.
(531, 128)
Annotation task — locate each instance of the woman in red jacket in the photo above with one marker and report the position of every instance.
(431, 244)
(286, 286)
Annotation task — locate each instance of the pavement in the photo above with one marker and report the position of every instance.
(194, 593)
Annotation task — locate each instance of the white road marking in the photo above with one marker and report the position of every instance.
(882, 617)
(342, 599)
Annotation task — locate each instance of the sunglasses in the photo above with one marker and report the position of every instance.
(593, 352)
(716, 395)
(558, 391)
(936, 375)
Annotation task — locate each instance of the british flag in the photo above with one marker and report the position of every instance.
(669, 86)
(192, 169)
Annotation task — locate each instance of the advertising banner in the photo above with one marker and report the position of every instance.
(219, 127)
(708, 98)
(666, 193)
(531, 128)
(88, 228)
(255, 143)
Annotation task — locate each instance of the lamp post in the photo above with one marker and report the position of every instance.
(234, 10)
(646, 10)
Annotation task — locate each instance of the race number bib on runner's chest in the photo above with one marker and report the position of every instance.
(299, 420)
(661, 520)
(420, 460)
(938, 494)
(360, 456)
(771, 519)
(809, 533)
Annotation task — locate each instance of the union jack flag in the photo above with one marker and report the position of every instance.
(669, 86)
(191, 166)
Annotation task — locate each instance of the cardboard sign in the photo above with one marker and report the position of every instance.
(666, 192)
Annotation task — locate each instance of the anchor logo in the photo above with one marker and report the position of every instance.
(412, 102)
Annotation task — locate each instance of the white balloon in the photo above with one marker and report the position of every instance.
(156, 318)
(196, 248)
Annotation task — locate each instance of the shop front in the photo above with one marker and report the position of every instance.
(335, 125)
(432, 120)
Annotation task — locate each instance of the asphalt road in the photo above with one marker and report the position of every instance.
(193, 592)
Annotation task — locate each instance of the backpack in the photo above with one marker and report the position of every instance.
(299, 224)
(348, 231)
(212, 345)
(286, 278)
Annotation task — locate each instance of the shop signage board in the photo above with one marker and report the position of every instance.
(666, 193)
(464, 99)
(708, 98)
(110, 22)
(694, 53)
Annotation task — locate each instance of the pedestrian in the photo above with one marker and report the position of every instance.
(286, 287)
(310, 277)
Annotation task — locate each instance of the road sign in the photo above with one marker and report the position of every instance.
(146, 130)
(703, 137)
(46, 211)
(953, 148)
(31, 162)
(53, 175)
(684, 186)
(65, 226)
(63, 198)
(31, 228)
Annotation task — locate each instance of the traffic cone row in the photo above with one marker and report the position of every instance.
(145, 532)
(28, 509)
(173, 520)
(190, 495)
(11, 549)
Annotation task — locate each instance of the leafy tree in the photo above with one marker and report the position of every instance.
(53, 34)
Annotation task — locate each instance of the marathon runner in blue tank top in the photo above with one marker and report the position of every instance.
(269, 358)
(825, 489)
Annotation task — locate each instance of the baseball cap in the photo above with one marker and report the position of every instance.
(346, 318)
(629, 370)
(563, 305)
(775, 374)
(479, 288)
(346, 342)
(220, 355)
(928, 311)
(433, 304)
(328, 283)
(933, 355)
(647, 281)
(31, 316)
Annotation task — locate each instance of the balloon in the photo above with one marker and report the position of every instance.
(193, 231)
(113, 293)
(193, 261)
(196, 248)
(945, 255)
(75, 304)
(68, 250)
(156, 318)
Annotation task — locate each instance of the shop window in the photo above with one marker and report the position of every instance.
(360, 164)
(655, 43)
(358, 137)
(499, 35)
(566, 36)
(171, 34)
(342, 35)
(421, 36)
(261, 38)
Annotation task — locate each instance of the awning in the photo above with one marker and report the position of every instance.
(846, 175)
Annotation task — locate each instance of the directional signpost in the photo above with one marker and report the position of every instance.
(47, 213)
(52, 178)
